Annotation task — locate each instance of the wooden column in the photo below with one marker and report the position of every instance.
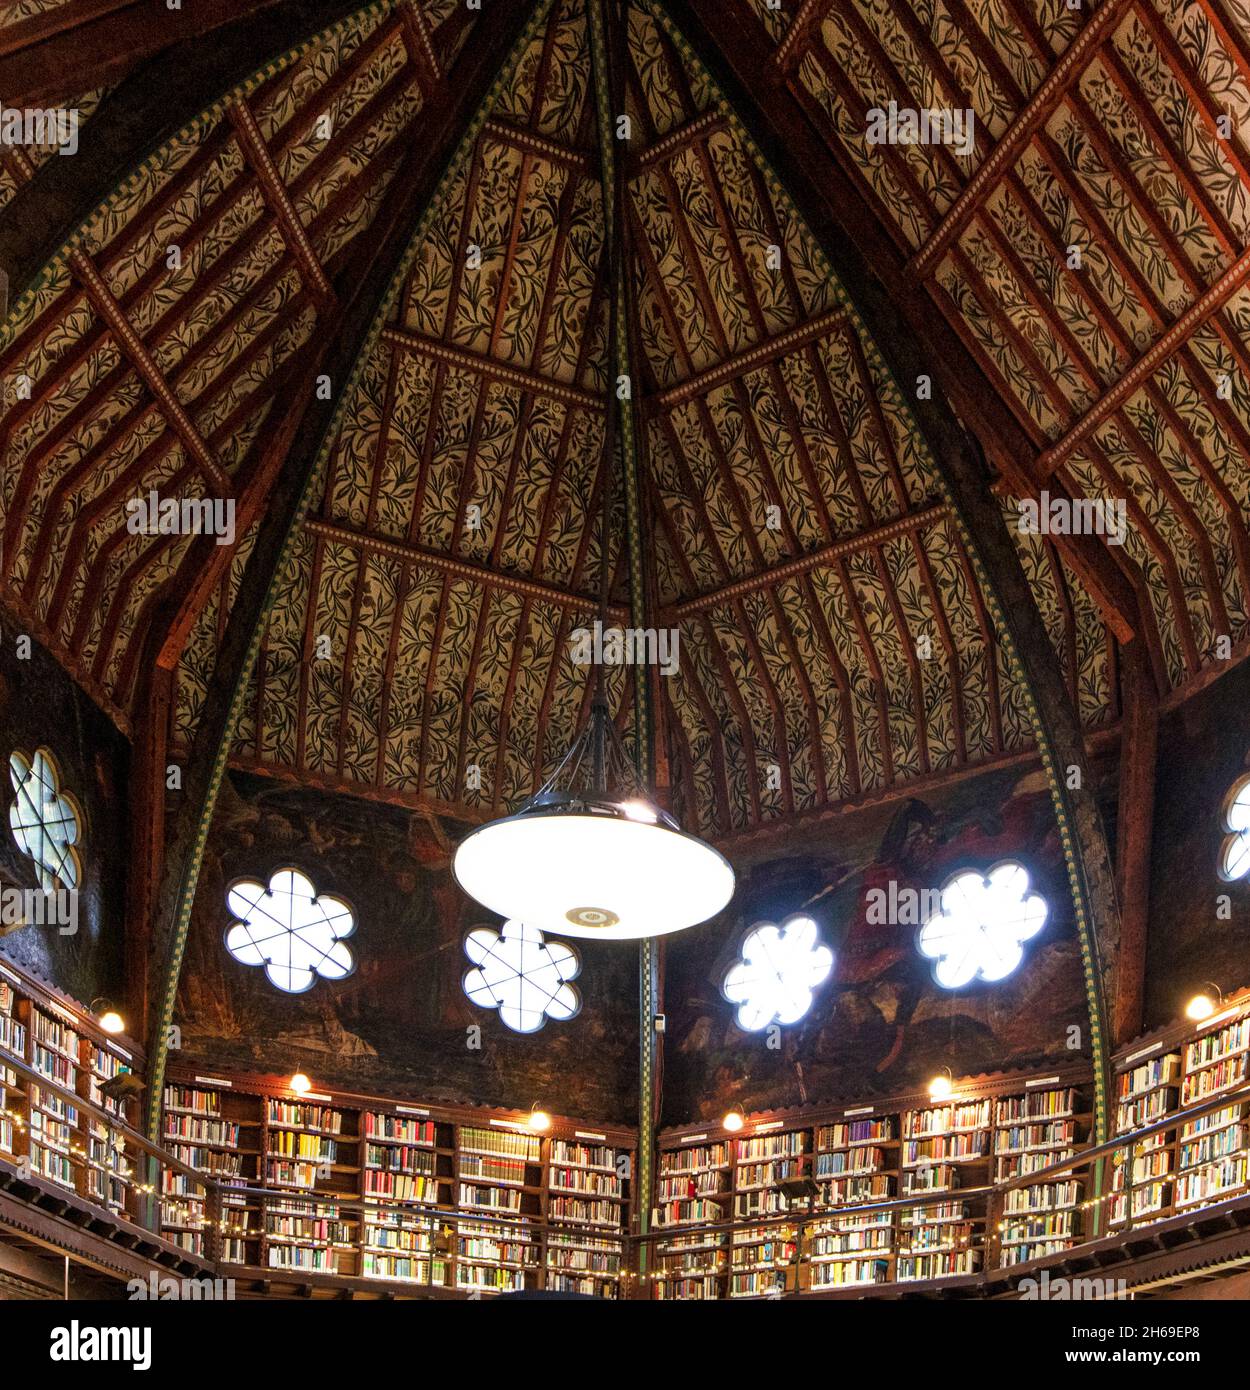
(1139, 737)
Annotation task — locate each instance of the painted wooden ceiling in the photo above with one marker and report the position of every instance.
(834, 644)
(1120, 129)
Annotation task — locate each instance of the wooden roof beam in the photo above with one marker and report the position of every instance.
(278, 200)
(804, 564)
(424, 558)
(798, 36)
(681, 138)
(760, 354)
(1027, 123)
(519, 377)
(141, 359)
(533, 142)
(1198, 314)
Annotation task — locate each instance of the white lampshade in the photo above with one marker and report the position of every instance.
(595, 868)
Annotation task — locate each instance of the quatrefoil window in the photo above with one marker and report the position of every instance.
(523, 975)
(1235, 851)
(46, 821)
(292, 930)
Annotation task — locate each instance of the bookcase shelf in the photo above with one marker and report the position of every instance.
(857, 1161)
(219, 1134)
(409, 1194)
(945, 1147)
(1042, 1125)
(694, 1185)
(1211, 1152)
(588, 1189)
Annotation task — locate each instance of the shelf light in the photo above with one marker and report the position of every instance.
(300, 1084)
(942, 1086)
(1202, 1006)
(539, 1119)
(108, 1018)
(734, 1120)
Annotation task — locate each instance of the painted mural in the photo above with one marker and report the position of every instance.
(399, 1023)
(880, 1025)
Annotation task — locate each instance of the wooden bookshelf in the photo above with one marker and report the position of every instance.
(588, 1186)
(945, 1147)
(311, 1151)
(56, 1141)
(811, 1164)
(211, 1129)
(694, 1186)
(406, 1164)
(1211, 1153)
(1043, 1124)
(499, 1172)
(110, 1172)
(760, 1259)
(1147, 1090)
(53, 1121)
(12, 1091)
(384, 1191)
(857, 1159)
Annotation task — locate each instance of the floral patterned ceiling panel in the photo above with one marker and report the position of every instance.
(834, 643)
(1089, 241)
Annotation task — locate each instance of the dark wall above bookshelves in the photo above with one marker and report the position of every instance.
(1203, 749)
(40, 705)
(400, 1022)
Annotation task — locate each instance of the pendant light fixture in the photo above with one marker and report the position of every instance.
(591, 854)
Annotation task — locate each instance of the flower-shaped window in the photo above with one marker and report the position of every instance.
(522, 975)
(980, 927)
(292, 931)
(46, 821)
(1235, 851)
(779, 970)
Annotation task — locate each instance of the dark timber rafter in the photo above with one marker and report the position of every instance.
(449, 123)
(93, 43)
(150, 106)
(906, 338)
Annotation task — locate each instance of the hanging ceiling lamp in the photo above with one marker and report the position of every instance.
(591, 854)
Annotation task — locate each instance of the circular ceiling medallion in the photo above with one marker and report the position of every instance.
(592, 917)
